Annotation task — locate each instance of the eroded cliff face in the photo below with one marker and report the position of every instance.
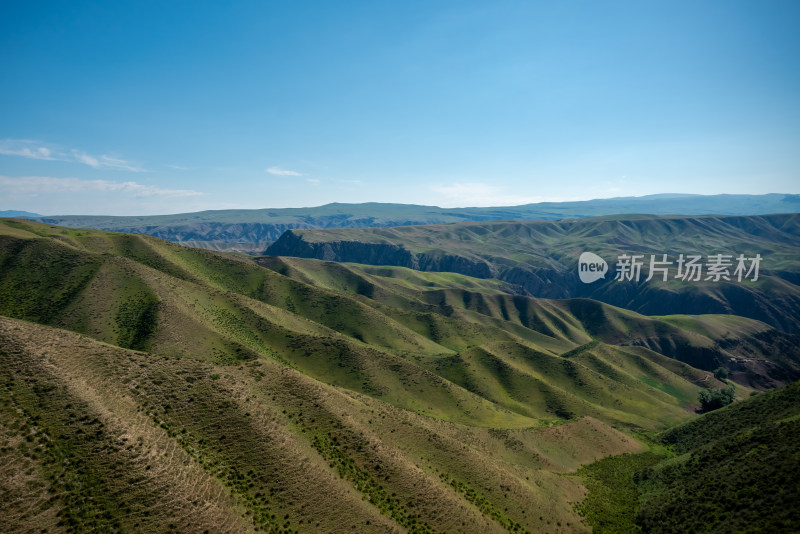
(212, 231)
(209, 234)
(293, 244)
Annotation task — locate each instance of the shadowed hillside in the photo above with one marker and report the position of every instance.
(731, 470)
(541, 257)
(752, 351)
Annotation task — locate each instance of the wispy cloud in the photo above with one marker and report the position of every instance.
(35, 150)
(474, 194)
(104, 162)
(25, 148)
(282, 172)
(312, 180)
(45, 184)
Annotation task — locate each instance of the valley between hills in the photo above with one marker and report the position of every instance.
(441, 378)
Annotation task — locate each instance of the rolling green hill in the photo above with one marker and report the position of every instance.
(706, 341)
(731, 470)
(541, 257)
(252, 230)
(146, 386)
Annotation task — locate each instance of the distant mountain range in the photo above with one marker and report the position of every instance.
(15, 213)
(251, 231)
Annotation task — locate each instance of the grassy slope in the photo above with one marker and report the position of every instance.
(756, 354)
(542, 256)
(545, 243)
(137, 441)
(731, 470)
(448, 362)
(737, 470)
(422, 406)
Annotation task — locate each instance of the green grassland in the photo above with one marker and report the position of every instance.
(461, 359)
(146, 386)
(731, 470)
(541, 257)
(131, 441)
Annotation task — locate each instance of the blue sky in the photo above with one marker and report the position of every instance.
(163, 107)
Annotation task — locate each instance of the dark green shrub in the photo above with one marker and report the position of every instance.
(721, 374)
(712, 399)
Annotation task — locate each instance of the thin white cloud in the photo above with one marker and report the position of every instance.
(282, 172)
(25, 148)
(178, 167)
(35, 150)
(472, 194)
(104, 162)
(86, 159)
(38, 185)
(312, 180)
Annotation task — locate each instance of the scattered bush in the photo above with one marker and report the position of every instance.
(712, 399)
(721, 374)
